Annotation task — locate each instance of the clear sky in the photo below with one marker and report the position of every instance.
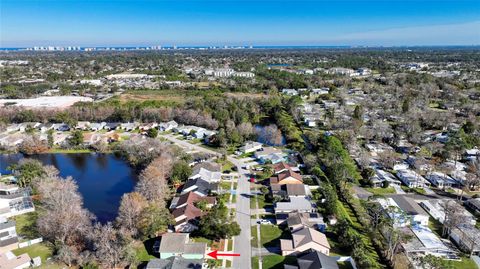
(229, 22)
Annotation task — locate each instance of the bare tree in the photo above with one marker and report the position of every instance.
(272, 135)
(111, 248)
(63, 220)
(130, 211)
(152, 182)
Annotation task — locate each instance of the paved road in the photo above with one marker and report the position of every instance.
(241, 242)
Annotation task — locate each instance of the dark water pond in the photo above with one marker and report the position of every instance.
(102, 178)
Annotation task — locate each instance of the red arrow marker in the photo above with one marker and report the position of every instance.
(214, 254)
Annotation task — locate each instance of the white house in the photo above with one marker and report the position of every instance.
(8, 235)
(168, 126)
(207, 175)
(436, 208)
(412, 179)
(401, 217)
(251, 146)
(440, 180)
(290, 92)
(8, 260)
(14, 201)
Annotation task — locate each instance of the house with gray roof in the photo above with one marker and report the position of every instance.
(313, 260)
(175, 263)
(179, 245)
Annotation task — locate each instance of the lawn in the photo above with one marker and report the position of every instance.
(274, 261)
(142, 254)
(36, 250)
(25, 226)
(270, 235)
(262, 202)
(465, 263)
(381, 191)
(254, 234)
(59, 150)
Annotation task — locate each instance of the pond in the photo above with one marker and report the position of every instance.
(102, 178)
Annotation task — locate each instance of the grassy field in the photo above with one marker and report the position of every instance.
(25, 226)
(58, 150)
(270, 235)
(273, 261)
(41, 250)
(381, 191)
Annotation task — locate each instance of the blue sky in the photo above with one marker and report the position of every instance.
(203, 22)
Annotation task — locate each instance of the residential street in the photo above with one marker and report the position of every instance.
(242, 242)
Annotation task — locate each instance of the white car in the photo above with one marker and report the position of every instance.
(264, 221)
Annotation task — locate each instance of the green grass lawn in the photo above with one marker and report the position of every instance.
(254, 233)
(381, 191)
(225, 185)
(25, 225)
(202, 240)
(59, 150)
(36, 250)
(142, 254)
(270, 235)
(465, 263)
(230, 245)
(274, 261)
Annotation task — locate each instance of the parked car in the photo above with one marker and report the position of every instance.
(264, 221)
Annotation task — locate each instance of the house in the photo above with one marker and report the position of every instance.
(287, 177)
(412, 179)
(270, 154)
(411, 208)
(45, 127)
(437, 207)
(303, 240)
(402, 217)
(97, 126)
(285, 191)
(251, 147)
(62, 127)
(207, 171)
(168, 126)
(14, 200)
(313, 260)
(199, 187)
(186, 218)
(8, 235)
(321, 91)
(82, 125)
(281, 167)
(190, 198)
(179, 245)
(128, 126)
(300, 204)
(175, 263)
(297, 221)
(111, 126)
(290, 92)
(147, 126)
(8, 260)
(466, 237)
(381, 176)
(440, 180)
(474, 204)
(422, 241)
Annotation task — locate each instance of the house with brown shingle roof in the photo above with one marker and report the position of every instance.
(186, 218)
(287, 177)
(281, 167)
(185, 210)
(305, 239)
